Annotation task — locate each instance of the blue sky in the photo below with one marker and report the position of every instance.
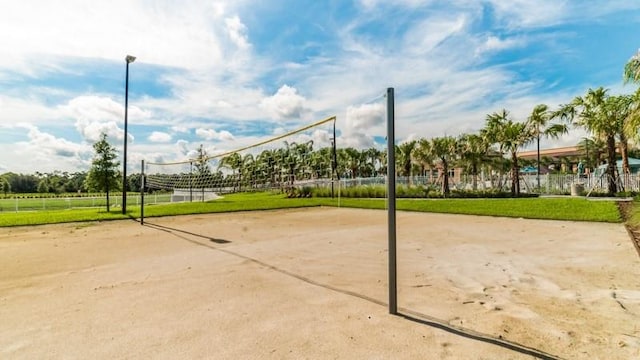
(227, 73)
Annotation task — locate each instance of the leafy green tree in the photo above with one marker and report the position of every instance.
(104, 174)
(75, 182)
(43, 186)
(202, 172)
(5, 186)
(135, 182)
(202, 162)
(21, 183)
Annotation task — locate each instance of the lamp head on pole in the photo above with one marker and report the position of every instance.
(129, 59)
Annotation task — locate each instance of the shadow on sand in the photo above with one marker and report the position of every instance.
(406, 314)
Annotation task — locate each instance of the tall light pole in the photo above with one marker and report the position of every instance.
(129, 59)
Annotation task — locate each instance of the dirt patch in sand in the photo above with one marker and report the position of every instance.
(312, 283)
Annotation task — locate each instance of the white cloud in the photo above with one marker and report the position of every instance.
(431, 32)
(192, 34)
(361, 124)
(356, 140)
(46, 152)
(159, 137)
(95, 115)
(16, 110)
(237, 32)
(210, 134)
(286, 103)
(519, 14)
(494, 43)
(365, 116)
(179, 129)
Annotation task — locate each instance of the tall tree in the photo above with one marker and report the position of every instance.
(352, 159)
(373, 157)
(441, 152)
(104, 174)
(632, 122)
(266, 163)
(5, 186)
(302, 152)
(594, 112)
(248, 170)
(510, 136)
(473, 150)
(540, 123)
(422, 155)
(444, 150)
(593, 148)
(621, 108)
(202, 162)
(403, 157)
(234, 162)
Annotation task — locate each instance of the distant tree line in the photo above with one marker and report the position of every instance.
(55, 183)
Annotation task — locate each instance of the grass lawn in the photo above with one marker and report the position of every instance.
(533, 208)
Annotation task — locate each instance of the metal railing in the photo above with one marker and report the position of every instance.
(549, 183)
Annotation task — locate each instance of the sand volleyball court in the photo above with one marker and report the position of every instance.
(312, 284)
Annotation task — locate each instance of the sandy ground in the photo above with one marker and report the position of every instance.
(312, 284)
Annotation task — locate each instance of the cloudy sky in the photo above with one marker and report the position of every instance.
(230, 72)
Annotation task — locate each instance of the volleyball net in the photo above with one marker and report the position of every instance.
(290, 162)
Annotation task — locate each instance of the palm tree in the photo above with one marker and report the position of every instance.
(631, 71)
(510, 135)
(473, 151)
(382, 160)
(443, 149)
(233, 162)
(320, 163)
(403, 158)
(593, 148)
(351, 158)
(266, 166)
(295, 159)
(539, 122)
(371, 158)
(422, 155)
(596, 113)
(247, 170)
(622, 107)
(441, 152)
(302, 154)
(289, 161)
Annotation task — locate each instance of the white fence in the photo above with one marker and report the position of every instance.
(63, 203)
(548, 183)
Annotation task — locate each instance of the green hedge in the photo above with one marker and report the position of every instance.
(412, 192)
